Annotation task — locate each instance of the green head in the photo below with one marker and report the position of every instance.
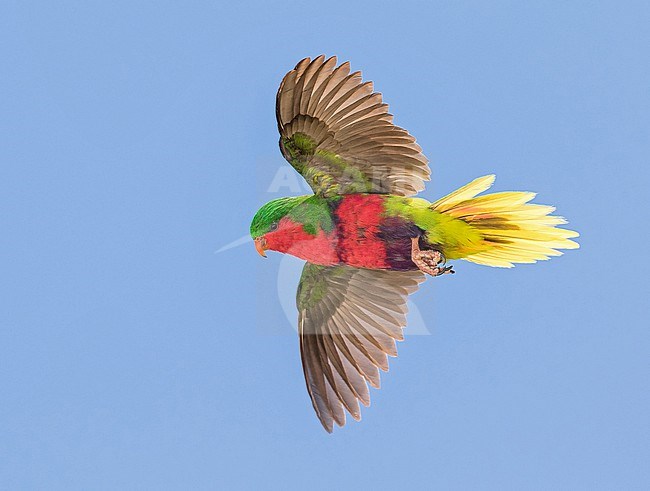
(268, 217)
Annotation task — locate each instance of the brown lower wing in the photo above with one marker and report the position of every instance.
(349, 320)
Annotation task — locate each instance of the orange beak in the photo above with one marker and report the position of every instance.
(260, 245)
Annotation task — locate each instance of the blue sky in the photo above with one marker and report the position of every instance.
(137, 138)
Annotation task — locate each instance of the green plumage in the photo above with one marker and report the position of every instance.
(454, 237)
(312, 211)
(327, 172)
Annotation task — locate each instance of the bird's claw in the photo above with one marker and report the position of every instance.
(428, 261)
(447, 270)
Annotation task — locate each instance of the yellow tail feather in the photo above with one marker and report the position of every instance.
(511, 229)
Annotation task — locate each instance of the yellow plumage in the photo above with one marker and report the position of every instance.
(511, 229)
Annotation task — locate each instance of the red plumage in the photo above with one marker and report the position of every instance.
(359, 217)
(291, 237)
(358, 237)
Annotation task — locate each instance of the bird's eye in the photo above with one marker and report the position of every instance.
(274, 226)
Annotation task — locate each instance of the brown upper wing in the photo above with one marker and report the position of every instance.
(339, 135)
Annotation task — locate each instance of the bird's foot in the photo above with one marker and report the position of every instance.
(429, 261)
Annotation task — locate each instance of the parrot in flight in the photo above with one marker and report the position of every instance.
(367, 240)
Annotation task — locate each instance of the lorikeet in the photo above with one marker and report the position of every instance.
(366, 239)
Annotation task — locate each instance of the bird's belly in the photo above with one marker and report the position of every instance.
(369, 239)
